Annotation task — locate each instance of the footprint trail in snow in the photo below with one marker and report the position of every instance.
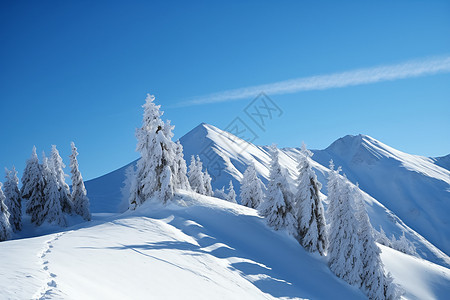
(50, 287)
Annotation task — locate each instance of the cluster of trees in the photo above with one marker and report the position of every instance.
(401, 244)
(47, 195)
(348, 240)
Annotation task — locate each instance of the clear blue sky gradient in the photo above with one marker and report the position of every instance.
(80, 70)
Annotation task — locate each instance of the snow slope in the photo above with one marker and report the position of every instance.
(411, 186)
(226, 157)
(198, 248)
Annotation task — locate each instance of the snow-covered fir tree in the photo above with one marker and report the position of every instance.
(195, 174)
(154, 174)
(12, 199)
(57, 165)
(403, 245)
(129, 181)
(52, 211)
(332, 187)
(277, 205)
(33, 185)
(231, 195)
(382, 239)
(308, 207)
(374, 282)
(252, 188)
(181, 179)
(221, 194)
(5, 226)
(207, 182)
(79, 195)
(344, 251)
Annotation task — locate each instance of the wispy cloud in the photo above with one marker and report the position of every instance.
(409, 69)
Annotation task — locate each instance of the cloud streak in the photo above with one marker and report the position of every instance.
(409, 69)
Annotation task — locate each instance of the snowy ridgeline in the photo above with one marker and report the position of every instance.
(45, 194)
(352, 252)
(342, 237)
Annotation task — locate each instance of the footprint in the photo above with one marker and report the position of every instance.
(45, 262)
(53, 275)
(52, 283)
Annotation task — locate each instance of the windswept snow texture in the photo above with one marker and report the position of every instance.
(198, 248)
(411, 186)
(226, 157)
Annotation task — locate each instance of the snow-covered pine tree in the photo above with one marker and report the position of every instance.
(344, 249)
(12, 199)
(208, 186)
(196, 179)
(231, 195)
(403, 245)
(5, 226)
(382, 239)
(52, 211)
(221, 194)
(252, 188)
(308, 207)
(332, 187)
(374, 282)
(181, 180)
(130, 179)
(33, 184)
(154, 174)
(57, 165)
(277, 205)
(79, 195)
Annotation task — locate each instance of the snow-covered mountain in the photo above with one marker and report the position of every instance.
(196, 247)
(413, 187)
(442, 161)
(227, 156)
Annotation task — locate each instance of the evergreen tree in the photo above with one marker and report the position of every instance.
(79, 194)
(5, 226)
(154, 174)
(181, 179)
(231, 196)
(277, 206)
(373, 277)
(403, 245)
(332, 187)
(130, 180)
(252, 188)
(207, 183)
(52, 211)
(33, 185)
(309, 208)
(57, 165)
(196, 179)
(13, 200)
(382, 239)
(220, 193)
(344, 249)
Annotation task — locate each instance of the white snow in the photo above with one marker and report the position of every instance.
(197, 248)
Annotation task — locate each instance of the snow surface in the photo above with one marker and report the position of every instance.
(195, 248)
(226, 157)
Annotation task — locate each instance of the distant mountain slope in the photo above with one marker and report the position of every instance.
(195, 248)
(226, 157)
(442, 161)
(412, 186)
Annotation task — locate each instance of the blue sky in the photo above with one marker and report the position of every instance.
(80, 70)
